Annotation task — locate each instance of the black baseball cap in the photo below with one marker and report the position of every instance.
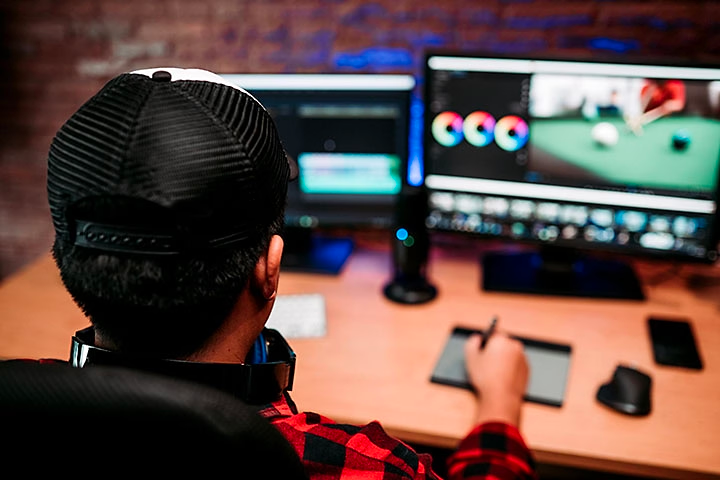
(164, 161)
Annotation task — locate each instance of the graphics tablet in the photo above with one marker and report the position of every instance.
(549, 367)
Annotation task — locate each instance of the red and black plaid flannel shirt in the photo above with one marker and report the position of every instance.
(332, 451)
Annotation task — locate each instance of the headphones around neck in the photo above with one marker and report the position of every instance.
(269, 373)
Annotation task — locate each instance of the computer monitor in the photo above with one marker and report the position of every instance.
(578, 158)
(349, 135)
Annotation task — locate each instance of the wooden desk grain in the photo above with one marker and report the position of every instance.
(376, 360)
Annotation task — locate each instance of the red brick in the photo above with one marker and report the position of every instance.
(25, 9)
(144, 10)
(650, 14)
(46, 29)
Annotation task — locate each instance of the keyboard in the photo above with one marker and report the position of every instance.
(299, 315)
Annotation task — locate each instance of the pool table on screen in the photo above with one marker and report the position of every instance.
(647, 160)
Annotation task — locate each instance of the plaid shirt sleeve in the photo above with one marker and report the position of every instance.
(330, 450)
(492, 450)
(334, 451)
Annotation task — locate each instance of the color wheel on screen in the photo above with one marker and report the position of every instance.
(479, 128)
(447, 129)
(511, 133)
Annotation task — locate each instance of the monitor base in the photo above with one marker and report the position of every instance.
(410, 291)
(560, 273)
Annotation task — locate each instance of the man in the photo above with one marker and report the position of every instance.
(658, 98)
(167, 191)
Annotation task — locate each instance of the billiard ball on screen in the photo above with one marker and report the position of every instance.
(605, 134)
(681, 140)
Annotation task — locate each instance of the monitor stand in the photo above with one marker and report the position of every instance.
(410, 289)
(559, 271)
(309, 252)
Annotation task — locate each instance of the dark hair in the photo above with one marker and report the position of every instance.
(160, 306)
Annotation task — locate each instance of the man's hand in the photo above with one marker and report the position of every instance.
(499, 374)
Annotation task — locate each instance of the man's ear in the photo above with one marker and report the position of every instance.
(267, 270)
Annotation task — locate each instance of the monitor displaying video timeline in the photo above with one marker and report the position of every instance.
(349, 135)
(613, 156)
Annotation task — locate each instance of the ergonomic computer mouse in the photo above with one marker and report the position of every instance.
(628, 391)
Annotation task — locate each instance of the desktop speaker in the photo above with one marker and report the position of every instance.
(410, 249)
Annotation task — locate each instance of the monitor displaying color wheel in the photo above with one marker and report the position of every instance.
(575, 157)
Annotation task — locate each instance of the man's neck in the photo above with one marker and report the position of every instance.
(232, 342)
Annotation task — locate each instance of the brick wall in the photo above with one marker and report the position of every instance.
(54, 54)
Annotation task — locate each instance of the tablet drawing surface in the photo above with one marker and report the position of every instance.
(549, 367)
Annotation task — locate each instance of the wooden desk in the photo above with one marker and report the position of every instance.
(376, 360)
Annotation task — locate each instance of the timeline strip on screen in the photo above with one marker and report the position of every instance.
(570, 194)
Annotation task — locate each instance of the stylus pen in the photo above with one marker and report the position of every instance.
(488, 332)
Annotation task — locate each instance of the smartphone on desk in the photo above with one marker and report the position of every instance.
(673, 342)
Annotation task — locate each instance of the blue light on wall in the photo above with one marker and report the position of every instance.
(613, 45)
(377, 57)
